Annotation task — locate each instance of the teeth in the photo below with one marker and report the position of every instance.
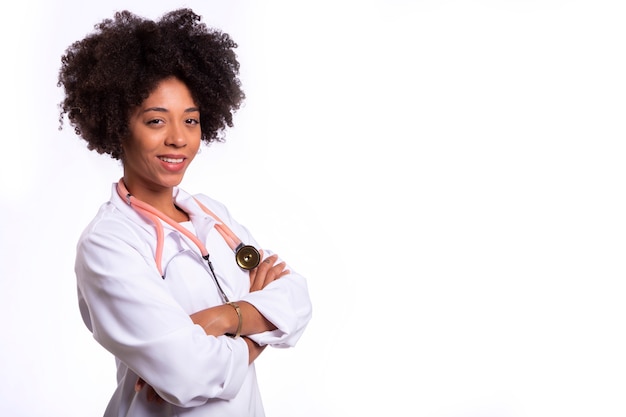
(172, 160)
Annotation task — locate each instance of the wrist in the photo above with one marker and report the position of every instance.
(237, 330)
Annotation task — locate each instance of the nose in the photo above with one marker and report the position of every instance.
(176, 136)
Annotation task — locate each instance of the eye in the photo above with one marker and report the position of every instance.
(192, 121)
(154, 122)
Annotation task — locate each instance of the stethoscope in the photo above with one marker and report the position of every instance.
(246, 256)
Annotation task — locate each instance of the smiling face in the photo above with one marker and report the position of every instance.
(165, 136)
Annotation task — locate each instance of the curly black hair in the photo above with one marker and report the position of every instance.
(115, 68)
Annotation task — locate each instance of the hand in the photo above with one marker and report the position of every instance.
(151, 393)
(254, 350)
(266, 272)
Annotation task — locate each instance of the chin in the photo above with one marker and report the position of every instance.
(172, 181)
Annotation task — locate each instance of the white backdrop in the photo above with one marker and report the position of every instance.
(449, 175)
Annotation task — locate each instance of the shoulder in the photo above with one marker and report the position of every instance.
(199, 200)
(111, 226)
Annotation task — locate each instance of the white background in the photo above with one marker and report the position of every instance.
(449, 175)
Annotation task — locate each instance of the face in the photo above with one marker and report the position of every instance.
(165, 136)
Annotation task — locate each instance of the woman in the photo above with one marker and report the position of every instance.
(159, 284)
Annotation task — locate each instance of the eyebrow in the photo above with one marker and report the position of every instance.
(164, 110)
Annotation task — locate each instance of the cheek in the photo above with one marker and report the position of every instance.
(196, 144)
(138, 152)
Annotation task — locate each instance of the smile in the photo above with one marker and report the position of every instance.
(171, 160)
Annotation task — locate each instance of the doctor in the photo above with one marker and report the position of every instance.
(160, 285)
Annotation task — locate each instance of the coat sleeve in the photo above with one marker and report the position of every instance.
(285, 302)
(127, 307)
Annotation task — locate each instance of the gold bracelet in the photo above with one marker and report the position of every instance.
(238, 310)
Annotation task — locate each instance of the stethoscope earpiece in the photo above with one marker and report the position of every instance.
(247, 257)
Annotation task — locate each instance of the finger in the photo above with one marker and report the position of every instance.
(139, 384)
(272, 274)
(285, 272)
(268, 262)
(266, 272)
(252, 274)
(261, 255)
(152, 394)
(259, 277)
(263, 273)
(278, 271)
(255, 279)
(258, 283)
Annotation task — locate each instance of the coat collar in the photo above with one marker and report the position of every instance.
(202, 222)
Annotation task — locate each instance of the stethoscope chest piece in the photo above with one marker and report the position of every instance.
(247, 257)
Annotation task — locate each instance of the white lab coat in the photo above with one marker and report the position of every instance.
(143, 319)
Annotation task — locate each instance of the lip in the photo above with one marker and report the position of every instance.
(173, 163)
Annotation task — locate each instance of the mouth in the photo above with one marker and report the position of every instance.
(171, 160)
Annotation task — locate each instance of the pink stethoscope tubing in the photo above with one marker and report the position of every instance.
(155, 215)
